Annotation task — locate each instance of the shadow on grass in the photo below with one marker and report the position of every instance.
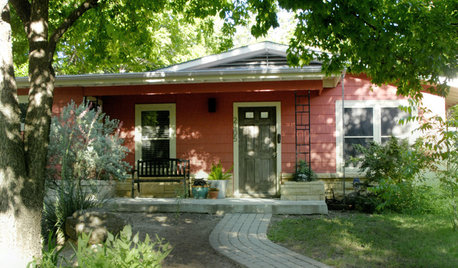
(361, 240)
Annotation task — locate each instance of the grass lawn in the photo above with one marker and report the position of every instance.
(362, 240)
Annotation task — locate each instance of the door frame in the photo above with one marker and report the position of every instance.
(235, 138)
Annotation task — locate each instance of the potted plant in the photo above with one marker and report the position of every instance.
(213, 193)
(199, 189)
(218, 178)
(305, 186)
(304, 172)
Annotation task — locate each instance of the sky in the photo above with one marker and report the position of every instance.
(281, 34)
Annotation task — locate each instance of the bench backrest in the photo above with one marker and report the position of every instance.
(163, 167)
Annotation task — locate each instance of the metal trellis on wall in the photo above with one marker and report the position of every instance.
(302, 119)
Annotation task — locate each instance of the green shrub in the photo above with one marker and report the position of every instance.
(304, 172)
(85, 144)
(50, 255)
(123, 251)
(391, 176)
(440, 140)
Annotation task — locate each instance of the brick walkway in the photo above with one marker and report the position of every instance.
(242, 238)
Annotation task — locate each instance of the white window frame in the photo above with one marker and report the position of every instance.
(235, 110)
(377, 106)
(139, 108)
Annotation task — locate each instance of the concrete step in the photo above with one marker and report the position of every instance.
(217, 206)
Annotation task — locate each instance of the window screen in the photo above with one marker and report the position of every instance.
(359, 129)
(390, 122)
(155, 134)
(359, 122)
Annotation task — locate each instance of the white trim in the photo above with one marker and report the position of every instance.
(377, 105)
(139, 108)
(236, 105)
(23, 98)
(187, 77)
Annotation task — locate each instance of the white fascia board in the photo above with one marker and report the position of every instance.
(151, 78)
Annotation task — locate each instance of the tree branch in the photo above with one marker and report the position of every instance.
(23, 9)
(364, 20)
(68, 22)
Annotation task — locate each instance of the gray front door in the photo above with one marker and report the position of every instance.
(257, 151)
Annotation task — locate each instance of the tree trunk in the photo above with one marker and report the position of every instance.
(22, 165)
(19, 213)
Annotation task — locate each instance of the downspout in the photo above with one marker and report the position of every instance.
(343, 132)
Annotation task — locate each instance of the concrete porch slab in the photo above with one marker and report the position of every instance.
(216, 206)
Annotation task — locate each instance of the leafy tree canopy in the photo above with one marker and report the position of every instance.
(134, 35)
(404, 42)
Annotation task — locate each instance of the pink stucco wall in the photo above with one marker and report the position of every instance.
(205, 137)
(323, 128)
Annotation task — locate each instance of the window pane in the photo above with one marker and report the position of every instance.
(349, 146)
(358, 122)
(155, 149)
(155, 124)
(390, 122)
(155, 134)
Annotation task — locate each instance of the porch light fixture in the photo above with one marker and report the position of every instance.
(211, 105)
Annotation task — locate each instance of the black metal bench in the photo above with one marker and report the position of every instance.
(161, 170)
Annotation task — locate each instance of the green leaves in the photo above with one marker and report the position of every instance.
(133, 36)
(217, 172)
(85, 144)
(390, 172)
(122, 250)
(406, 43)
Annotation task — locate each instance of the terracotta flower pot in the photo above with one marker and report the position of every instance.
(212, 194)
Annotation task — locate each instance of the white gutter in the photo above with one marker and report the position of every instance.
(183, 77)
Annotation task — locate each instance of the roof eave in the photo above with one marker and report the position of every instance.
(212, 76)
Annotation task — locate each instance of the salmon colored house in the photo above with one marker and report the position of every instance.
(247, 109)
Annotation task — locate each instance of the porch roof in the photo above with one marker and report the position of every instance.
(264, 61)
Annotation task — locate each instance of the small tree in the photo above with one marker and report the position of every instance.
(390, 170)
(85, 144)
(440, 139)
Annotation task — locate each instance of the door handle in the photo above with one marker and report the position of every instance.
(278, 138)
